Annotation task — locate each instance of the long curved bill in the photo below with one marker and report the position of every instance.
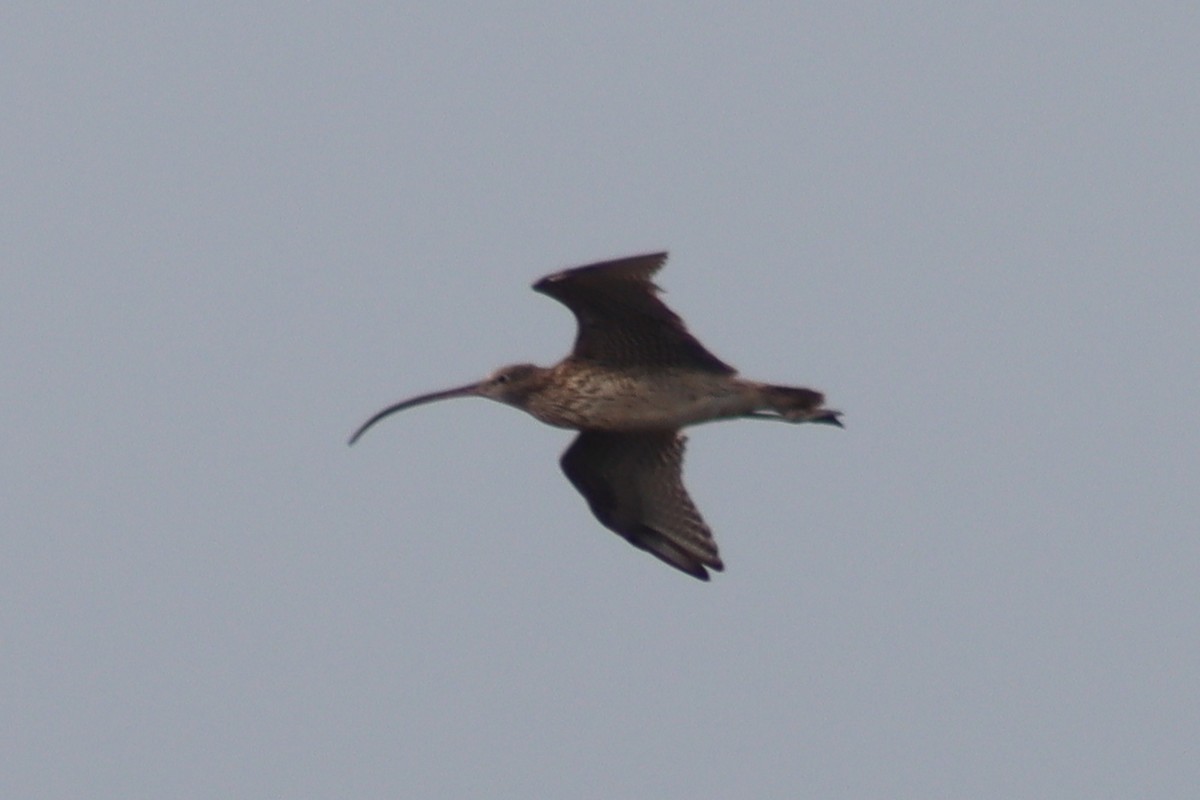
(469, 390)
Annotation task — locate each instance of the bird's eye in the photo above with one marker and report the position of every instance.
(502, 378)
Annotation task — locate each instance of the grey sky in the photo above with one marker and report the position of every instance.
(230, 235)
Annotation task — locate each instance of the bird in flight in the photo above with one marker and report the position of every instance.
(634, 379)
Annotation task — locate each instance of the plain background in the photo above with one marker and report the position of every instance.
(231, 233)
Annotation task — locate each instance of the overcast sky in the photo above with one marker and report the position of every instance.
(231, 233)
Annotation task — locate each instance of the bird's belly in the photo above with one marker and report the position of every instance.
(632, 404)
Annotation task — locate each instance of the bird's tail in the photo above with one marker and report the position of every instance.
(796, 404)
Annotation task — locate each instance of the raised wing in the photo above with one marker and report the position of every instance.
(633, 483)
(622, 323)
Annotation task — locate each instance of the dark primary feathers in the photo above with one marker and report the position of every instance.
(622, 323)
(633, 483)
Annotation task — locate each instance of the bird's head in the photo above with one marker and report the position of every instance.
(511, 384)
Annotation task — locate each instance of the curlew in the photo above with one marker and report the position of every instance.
(635, 378)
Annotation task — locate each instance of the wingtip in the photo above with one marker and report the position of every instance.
(656, 260)
(686, 561)
(701, 573)
(695, 570)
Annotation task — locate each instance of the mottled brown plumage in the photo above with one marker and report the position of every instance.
(635, 377)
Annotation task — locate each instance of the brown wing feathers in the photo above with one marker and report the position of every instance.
(622, 323)
(633, 484)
